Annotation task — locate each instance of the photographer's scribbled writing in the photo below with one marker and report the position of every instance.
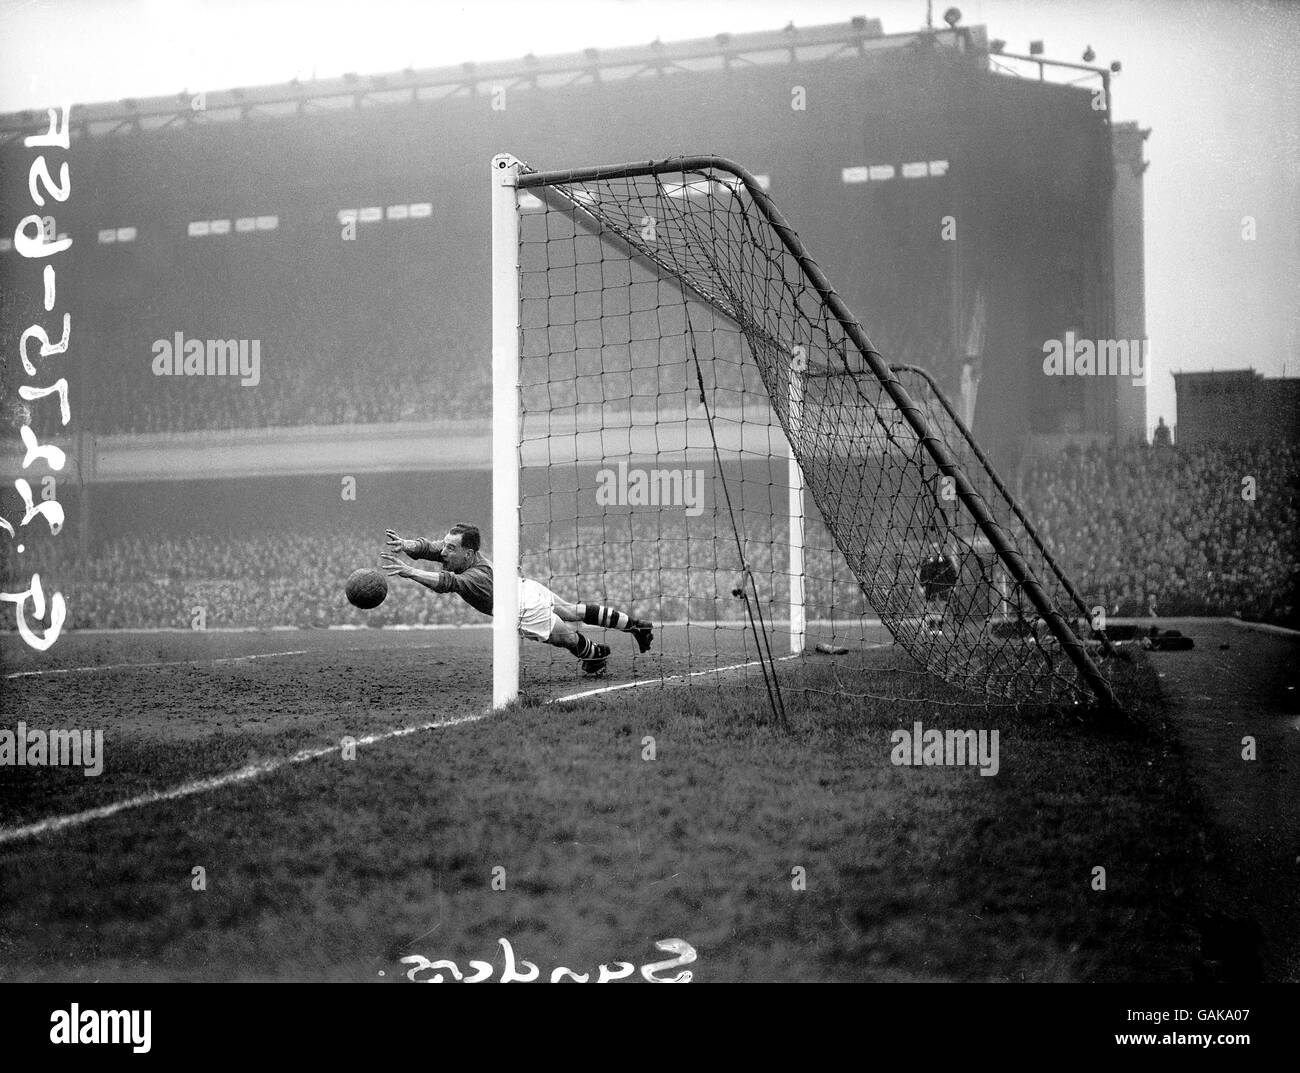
(525, 972)
(36, 238)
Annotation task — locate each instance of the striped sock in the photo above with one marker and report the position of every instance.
(608, 617)
(584, 649)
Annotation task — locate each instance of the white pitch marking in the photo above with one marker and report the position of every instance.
(172, 663)
(217, 782)
(661, 681)
(266, 767)
(692, 674)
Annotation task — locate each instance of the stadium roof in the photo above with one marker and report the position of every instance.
(860, 37)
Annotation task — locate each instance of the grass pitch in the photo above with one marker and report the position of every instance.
(778, 855)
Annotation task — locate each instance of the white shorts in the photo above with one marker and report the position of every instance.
(537, 617)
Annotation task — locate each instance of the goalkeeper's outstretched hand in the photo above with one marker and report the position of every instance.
(394, 567)
(396, 543)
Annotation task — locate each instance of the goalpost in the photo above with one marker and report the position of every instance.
(505, 431)
(680, 399)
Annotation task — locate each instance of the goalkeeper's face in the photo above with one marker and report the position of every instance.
(455, 557)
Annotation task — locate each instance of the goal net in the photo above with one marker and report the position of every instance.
(690, 426)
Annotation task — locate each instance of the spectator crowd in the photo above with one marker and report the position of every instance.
(1205, 530)
(1177, 531)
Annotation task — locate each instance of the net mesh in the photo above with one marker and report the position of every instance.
(674, 354)
(1001, 503)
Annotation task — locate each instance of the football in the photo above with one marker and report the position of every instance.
(366, 588)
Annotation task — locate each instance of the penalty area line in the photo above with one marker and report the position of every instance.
(146, 666)
(216, 782)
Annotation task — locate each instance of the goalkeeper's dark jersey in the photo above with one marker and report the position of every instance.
(473, 585)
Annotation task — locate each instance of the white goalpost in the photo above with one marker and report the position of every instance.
(506, 438)
(505, 431)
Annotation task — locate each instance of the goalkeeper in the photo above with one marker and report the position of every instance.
(543, 616)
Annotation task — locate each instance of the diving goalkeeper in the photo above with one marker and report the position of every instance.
(543, 616)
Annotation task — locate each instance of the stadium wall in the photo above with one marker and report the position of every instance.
(1024, 168)
(1235, 407)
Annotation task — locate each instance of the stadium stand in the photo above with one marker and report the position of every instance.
(1125, 523)
(1128, 522)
